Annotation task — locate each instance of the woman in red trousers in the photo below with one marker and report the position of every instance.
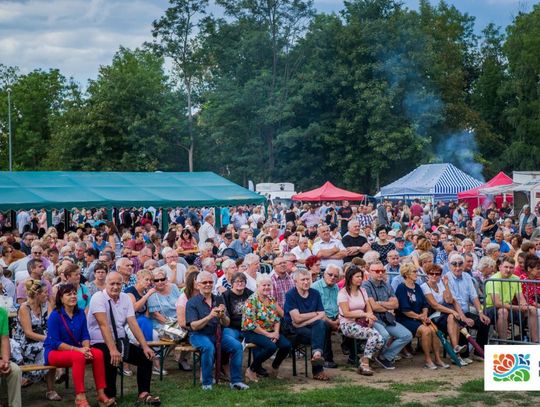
(68, 345)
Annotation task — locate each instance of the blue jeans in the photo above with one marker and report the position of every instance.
(267, 348)
(402, 336)
(206, 344)
(314, 335)
(235, 333)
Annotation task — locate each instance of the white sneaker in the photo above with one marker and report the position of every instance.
(467, 360)
(239, 386)
(156, 372)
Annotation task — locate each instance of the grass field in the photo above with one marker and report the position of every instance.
(409, 385)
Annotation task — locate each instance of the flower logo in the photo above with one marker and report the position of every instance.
(511, 367)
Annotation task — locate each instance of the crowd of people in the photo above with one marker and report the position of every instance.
(98, 291)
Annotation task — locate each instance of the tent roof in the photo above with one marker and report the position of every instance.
(328, 192)
(64, 189)
(442, 181)
(498, 180)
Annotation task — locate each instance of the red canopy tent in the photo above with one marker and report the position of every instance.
(328, 192)
(474, 198)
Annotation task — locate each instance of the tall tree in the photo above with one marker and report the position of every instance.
(126, 123)
(177, 37)
(522, 49)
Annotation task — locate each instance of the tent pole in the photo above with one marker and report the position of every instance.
(49, 218)
(164, 221)
(13, 216)
(67, 221)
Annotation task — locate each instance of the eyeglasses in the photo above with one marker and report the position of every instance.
(159, 280)
(434, 274)
(332, 275)
(239, 282)
(206, 282)
(456, 263)
(37, 252)
(379, 271)
(129, 265)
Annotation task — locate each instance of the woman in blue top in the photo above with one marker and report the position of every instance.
(413, 314)
(68, 345)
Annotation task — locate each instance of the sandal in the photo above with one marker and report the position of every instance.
(81, 403)
(323, 377)
(53, 396)
(364, 370)
(148, 399)
(26, 383)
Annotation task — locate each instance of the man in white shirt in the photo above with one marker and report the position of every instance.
(175, 270)
(301, 251)
(207, 231)
(252, 262)
(331, 251)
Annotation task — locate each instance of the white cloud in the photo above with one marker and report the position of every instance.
(76, 36)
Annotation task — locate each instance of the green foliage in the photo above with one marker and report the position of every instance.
(274, 91)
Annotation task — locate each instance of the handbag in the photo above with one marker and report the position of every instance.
(387, 317)
(173, 331)
(363, 322)
(122, 344)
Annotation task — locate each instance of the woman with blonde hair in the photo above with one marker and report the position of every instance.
(30, 333)
(413, 314)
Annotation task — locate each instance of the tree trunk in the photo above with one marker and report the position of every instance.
(190, 127)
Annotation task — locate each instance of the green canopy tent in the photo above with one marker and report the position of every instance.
(68, 189)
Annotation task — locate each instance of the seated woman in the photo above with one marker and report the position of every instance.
(27, 341)
(139, 295)
(440, 299)
(234, 299)
(413, 314)
(260, 325)
(162, 303)
(356, 318)
(68, 345)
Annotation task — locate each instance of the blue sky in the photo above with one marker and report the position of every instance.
(77, 36)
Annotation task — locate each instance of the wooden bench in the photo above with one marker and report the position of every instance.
(164, 349)
(37, 368)
(196, 356)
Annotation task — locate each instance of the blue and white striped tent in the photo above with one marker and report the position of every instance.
(439, 181)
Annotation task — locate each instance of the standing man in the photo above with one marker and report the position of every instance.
(282, 282)
(331, 251)
(109, 312)
(384, 302)
(355, 243)
(207, 231)
(345, 214)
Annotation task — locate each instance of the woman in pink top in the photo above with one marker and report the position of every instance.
(356, 318)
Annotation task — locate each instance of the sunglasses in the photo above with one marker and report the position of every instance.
(379, 271)
(206, 282)
(158, 280)
(456, 263)
(434, 274)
